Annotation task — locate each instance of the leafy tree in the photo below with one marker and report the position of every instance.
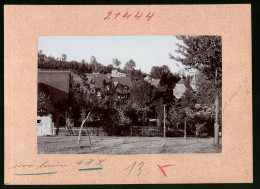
(204, 53)
(186, 109)
(169, 80)
(63, 57)
(116, 63)
(42, 101)
(130, 65)
(141, 93)
(94, 63)
(158, 71)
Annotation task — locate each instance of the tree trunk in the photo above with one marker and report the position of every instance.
(216, 125)
(81, 127)
(158, 122)
(185, 129)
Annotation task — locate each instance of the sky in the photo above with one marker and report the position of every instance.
(146, 51)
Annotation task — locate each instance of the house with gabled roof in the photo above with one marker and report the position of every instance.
(56, 85)
(122, 82)
(181, 87)
(154, 82)
(196, 80)
(190, 84)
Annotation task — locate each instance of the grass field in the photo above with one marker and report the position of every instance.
(124, 145)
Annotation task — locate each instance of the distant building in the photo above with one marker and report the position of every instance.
(196, 80)
(190, 84)
(154, 82)
(181, 87)
(122, 82)
(115, 73)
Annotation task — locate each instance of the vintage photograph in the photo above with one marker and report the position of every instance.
(129, 94)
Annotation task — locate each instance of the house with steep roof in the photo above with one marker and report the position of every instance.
(154, 82)
(181, 87)
(190, 84)
(120, 81)
(126, 81)
(116, 73)
(196, 80)
(56, 85)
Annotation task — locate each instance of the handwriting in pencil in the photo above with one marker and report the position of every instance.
(139, 167)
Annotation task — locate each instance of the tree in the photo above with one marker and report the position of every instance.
(204, 53)
(42, 101)
(41, 58)
(129, 66)
(158, 71)
(141, 93)
(169, 80)
(63, 57)
(116, 63)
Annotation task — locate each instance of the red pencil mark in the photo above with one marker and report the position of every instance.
(137, 16)
(116, 15)
(108, 16)
(149, 16)
(126, 15)
(161, 168)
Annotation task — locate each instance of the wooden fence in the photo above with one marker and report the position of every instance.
(93, 131)
(85, 131)
(145, 131)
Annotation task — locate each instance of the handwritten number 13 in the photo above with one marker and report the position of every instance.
(140, 165)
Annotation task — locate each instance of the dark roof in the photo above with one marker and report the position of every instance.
(155, 82)
(56, 79)
(98, 79)
(186, 83)
(123, 81)
(201, 78)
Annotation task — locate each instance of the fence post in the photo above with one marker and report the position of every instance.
(131, 130)
(142, 130)
(52, 128)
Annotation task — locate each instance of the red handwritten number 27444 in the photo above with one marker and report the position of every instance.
(127, 15)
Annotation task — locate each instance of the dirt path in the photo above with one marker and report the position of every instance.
(124, 145)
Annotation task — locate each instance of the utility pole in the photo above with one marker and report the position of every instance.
(164, 132)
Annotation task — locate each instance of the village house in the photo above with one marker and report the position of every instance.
(190, 83)
(121, 82)
(55, 85)
(152, 81)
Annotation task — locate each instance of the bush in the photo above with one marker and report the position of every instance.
(174, 133)
(117, 131)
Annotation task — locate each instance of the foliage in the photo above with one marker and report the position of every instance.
(130, 65)
(63, 57)
(140, 94)
(202, 53)
(158, 71)
(116, 63)
(42, 101)
(83, 67)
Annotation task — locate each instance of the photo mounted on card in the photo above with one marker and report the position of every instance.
(128, 94)
(139, 97)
